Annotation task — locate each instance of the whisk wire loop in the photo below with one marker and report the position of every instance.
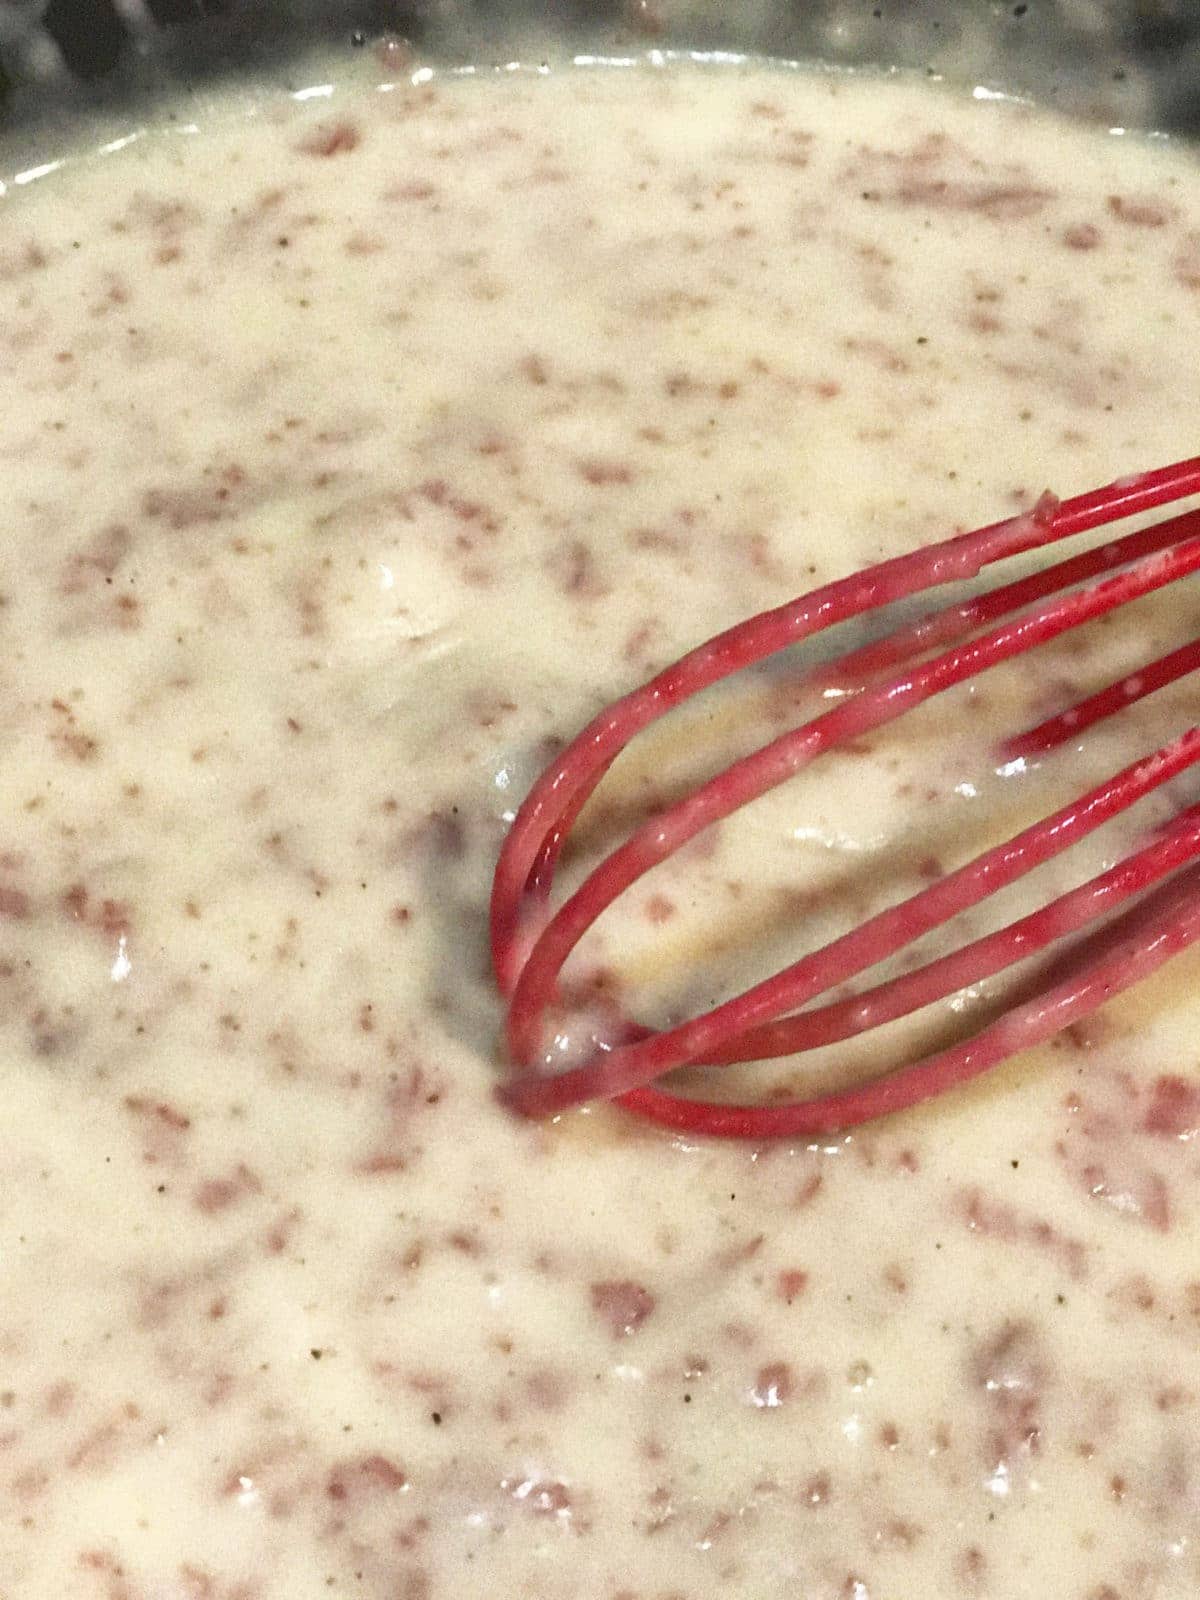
(530, 944)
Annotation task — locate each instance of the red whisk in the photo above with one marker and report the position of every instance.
(530, 944)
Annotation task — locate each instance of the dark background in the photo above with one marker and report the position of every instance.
(1134, 62)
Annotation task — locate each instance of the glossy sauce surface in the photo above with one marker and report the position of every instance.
(355, 451)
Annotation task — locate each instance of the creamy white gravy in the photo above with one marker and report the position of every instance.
(351, 452)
